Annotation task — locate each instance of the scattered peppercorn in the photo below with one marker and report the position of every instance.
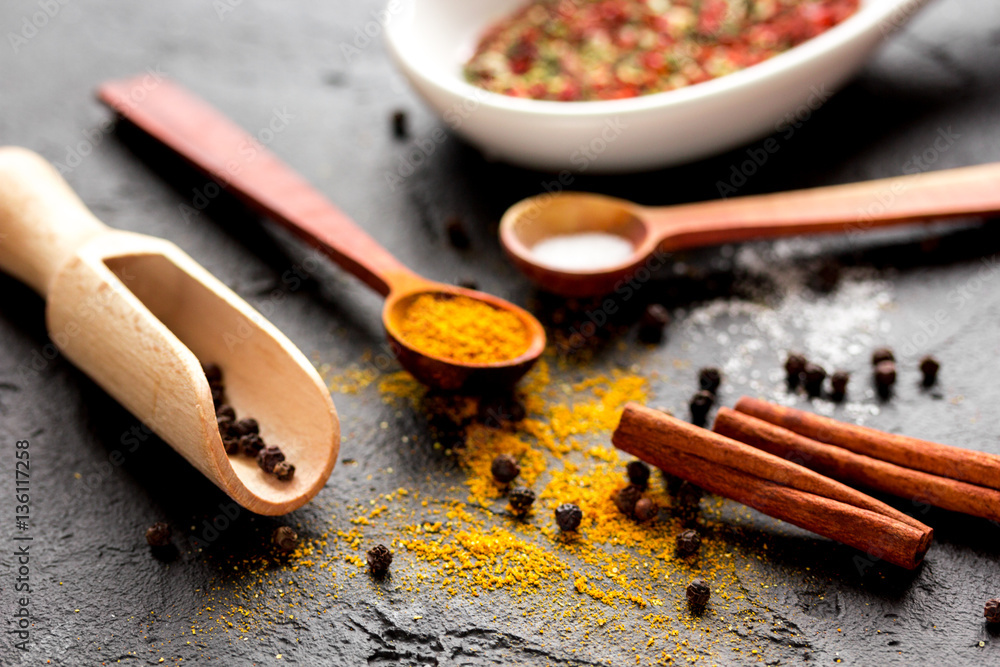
(400, 124)
(654, 320)
(698, 594)
(838, 384)
(284, 471)
(814, 376)
(992, 611)
(645, 509)
(626, 498)
(379, 560)
(521, 499)
(885, 377)
(498, 409)
(457, 234)
(688, 542)
(158, 535)
(269, 457)
(882, 354)
(225, 413)
(285, 538)
(700, 404)
(505, 468)
(929, 366)
(687, 501)
(826, 277)
(795, 366)
(709, 379)
(638, 473)
(568, 517)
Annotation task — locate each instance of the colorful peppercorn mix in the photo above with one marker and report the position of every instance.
(581, 50)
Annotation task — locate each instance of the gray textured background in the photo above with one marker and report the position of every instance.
(95, 584)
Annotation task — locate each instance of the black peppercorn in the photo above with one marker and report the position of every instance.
(709, 379)
(814, 376)
(457, 234)
(638, 473)
(992, 611)
(882, 354)
(268, 457)
(687, 500)
(250, 444)
(231, 444)
(654, 320)
(246, 427)
(521, 499)
(626, 498)
(698, 594)
(568, 517)
(700, 404)
(285, 538)
(225, 413)
(645, 509)
(838, 385)
(213, 374)
(284, 471)
(929, 366)
(688, 543)
(498, 409)
(158, 535)
(218, 395)
(505, 468)
(379, 560)
(795, 366)
(826, 277)
(885, 377)
(400, 124)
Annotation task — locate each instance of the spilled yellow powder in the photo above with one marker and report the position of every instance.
(462, 329)
(615, 579)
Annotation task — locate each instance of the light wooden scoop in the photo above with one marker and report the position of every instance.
(139, 316)
(852, 209)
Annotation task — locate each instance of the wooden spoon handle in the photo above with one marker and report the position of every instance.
(42, 221)
(851, 208)
(240, 164)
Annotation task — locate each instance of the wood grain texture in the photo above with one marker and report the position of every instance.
(919, 487)
(772, 485)
(139, 317)
(965, 465)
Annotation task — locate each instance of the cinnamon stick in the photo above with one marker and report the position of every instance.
(965, 465)
(846, 466)
(779, 488)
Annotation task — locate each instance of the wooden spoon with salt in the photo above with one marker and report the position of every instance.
(139, 316)
(642, 230)
(220, 149)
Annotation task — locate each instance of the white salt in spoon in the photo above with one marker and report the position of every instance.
(551, 237)
(136, 314)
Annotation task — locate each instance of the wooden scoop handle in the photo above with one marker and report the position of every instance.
(851, 208)
(241, 165)
(42, 221)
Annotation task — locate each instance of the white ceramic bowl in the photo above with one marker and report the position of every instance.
(430, 40)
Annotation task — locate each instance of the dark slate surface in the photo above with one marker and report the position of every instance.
(98, 596)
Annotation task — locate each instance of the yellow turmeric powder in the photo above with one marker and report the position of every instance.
(463, 329)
